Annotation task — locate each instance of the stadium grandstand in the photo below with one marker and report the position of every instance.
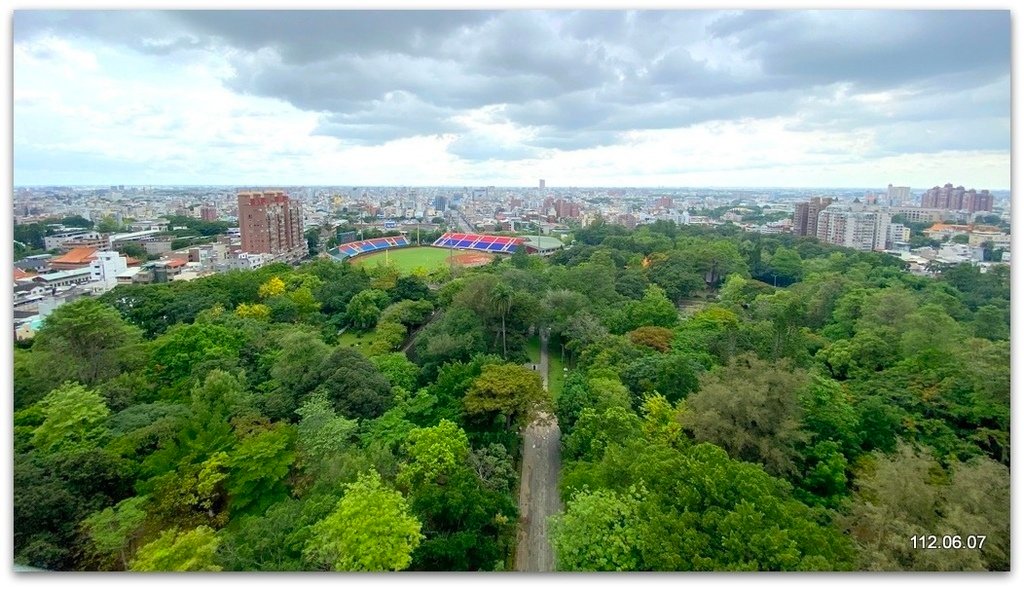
(543, 245)
(485, 243)
(366, 246)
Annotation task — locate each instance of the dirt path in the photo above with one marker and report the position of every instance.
(538, 488)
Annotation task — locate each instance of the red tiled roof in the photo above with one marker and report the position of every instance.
(78, 255)
(19, 274)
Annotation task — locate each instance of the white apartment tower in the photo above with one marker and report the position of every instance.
(854, 226)
(105, 268)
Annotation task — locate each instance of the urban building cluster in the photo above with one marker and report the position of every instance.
(957, 199)
(870, 225)
(265, 226)
(85, 262)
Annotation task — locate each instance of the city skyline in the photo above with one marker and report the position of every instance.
(786, 99)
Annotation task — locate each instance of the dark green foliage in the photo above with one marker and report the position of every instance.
(674, 376)
(354, 385)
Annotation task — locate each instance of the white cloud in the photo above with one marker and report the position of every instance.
(187, 107)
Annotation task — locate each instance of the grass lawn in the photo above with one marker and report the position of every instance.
(407, 259)
(354, 339)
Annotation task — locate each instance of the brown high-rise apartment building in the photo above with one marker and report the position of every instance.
(957, 199)
(208, 212)
(978, 201)
(566, 209)
(271, 223)
(805, 218)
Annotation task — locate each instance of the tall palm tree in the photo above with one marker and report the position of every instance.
(502, 296)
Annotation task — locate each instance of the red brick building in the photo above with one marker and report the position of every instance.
(271, 223)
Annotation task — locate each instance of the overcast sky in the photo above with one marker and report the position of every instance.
(588, 98)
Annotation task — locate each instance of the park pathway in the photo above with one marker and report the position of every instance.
(538, 488)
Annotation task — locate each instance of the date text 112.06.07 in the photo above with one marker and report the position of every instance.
(971, 542)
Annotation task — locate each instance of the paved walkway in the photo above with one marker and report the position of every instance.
(538, 488)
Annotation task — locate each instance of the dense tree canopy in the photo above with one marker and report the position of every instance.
(727, 401)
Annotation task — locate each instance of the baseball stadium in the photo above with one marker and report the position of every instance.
(462, 249)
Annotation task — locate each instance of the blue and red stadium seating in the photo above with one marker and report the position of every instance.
(347, 250)
(484, 243)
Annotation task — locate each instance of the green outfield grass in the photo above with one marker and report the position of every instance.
(407, 259)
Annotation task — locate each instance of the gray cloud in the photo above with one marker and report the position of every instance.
(397, 115)
(309, 36)
(581, 79)
(475, 146)
(871, 49)
(987, 134)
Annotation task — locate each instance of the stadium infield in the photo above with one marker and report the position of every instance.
(407, 259)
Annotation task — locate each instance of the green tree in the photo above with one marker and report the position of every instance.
(509, 390)
(502, 297)
(992, 323)
(387, 337)
(578, 393)
(355, 387)
(321, 432)
(74, 418)
(600, 531)
(655, 309)
(408, 313)
(312, 236)
(178, 353)
(193, 550)
(675, 273)
(673, 375)
(397, 368)
(594, 432)
(274, 541)
(784, 266)
(751, 409)
(411, 288)
(558, 307)
(296, 369)
(114, 532)
(134, 250)
(701, 511)
(258, 465)
(365, 308)
(434, 453)
(82, 340)
(31, 234)
(108, 224)
(370, 530)
(908, 494)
